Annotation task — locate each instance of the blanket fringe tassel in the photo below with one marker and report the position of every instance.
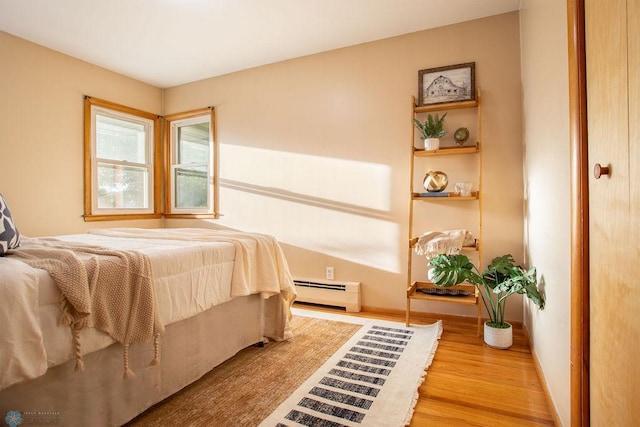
(78, 351)
(128, 373)
(156, 350)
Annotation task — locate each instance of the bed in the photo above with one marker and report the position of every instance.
(215, 292)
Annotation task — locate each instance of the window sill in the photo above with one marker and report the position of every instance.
(120, 217)
(193, 216)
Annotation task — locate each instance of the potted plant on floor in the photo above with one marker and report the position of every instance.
(432, 130)
(499, 281)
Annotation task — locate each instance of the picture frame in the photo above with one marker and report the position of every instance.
(444, 85)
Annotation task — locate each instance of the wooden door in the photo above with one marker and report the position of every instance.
(613, 114)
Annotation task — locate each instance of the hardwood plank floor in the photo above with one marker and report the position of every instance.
(469, 383)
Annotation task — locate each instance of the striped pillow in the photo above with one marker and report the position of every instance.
(9, 235)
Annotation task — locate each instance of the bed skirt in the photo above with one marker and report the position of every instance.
(100, 396)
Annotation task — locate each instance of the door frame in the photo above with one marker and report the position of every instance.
(579, 215)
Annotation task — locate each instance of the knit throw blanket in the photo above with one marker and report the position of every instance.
(434, 243)
(110, 290)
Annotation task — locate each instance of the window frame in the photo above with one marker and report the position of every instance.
(91, 211)
(170, 154)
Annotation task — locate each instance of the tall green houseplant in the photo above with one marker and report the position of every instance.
(499, 281)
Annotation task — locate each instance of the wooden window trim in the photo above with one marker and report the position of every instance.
(167, 164)
(88, 164)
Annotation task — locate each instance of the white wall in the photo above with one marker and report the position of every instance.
(543, 35)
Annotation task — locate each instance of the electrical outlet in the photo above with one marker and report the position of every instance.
(330, 273)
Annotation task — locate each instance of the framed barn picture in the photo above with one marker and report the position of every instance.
(453, 83)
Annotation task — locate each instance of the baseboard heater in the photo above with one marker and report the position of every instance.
(329, 292)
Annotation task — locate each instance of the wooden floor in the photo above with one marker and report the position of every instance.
(470, 384)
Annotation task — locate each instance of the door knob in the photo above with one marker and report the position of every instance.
(599, 170)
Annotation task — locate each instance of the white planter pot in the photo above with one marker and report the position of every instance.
(500, 338)
(431, 144)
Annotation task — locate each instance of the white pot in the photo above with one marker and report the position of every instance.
(500, 338)
(431, 144)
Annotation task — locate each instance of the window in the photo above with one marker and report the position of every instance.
(121, 165)
(191, 172)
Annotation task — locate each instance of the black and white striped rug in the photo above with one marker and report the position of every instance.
(372, 380)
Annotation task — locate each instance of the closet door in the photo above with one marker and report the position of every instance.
(612, 48)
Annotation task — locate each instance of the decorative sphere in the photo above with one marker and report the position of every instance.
(461, 135)
(435, 181)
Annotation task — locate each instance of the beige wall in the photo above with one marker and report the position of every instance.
(315, 151)
(547, 182)
(41, 147)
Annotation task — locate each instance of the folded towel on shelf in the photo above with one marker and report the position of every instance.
(433, 243)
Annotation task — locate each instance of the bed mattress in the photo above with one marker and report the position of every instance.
(190, 277)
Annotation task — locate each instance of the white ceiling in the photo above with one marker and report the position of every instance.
(170, 42)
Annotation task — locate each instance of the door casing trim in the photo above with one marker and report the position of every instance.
(579, 215)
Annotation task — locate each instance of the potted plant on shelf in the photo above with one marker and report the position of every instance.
(499, 281)
(432, 130)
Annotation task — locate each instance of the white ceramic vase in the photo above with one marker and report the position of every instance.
(432, 144)
(500, 338)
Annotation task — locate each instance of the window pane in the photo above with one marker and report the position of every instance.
(120, 140)
(193, 143)
(122, 187)
(191, 187)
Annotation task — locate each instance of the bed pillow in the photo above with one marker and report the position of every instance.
(9, 235)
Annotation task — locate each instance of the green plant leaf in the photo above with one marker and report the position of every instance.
(499, 281)
(502, 264)
(531, 289)
(512, 279)
(431, 128)
(498, 270)
(450, 270)
(503, 325)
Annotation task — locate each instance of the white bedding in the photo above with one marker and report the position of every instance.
(191, 275)
(22, 354)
